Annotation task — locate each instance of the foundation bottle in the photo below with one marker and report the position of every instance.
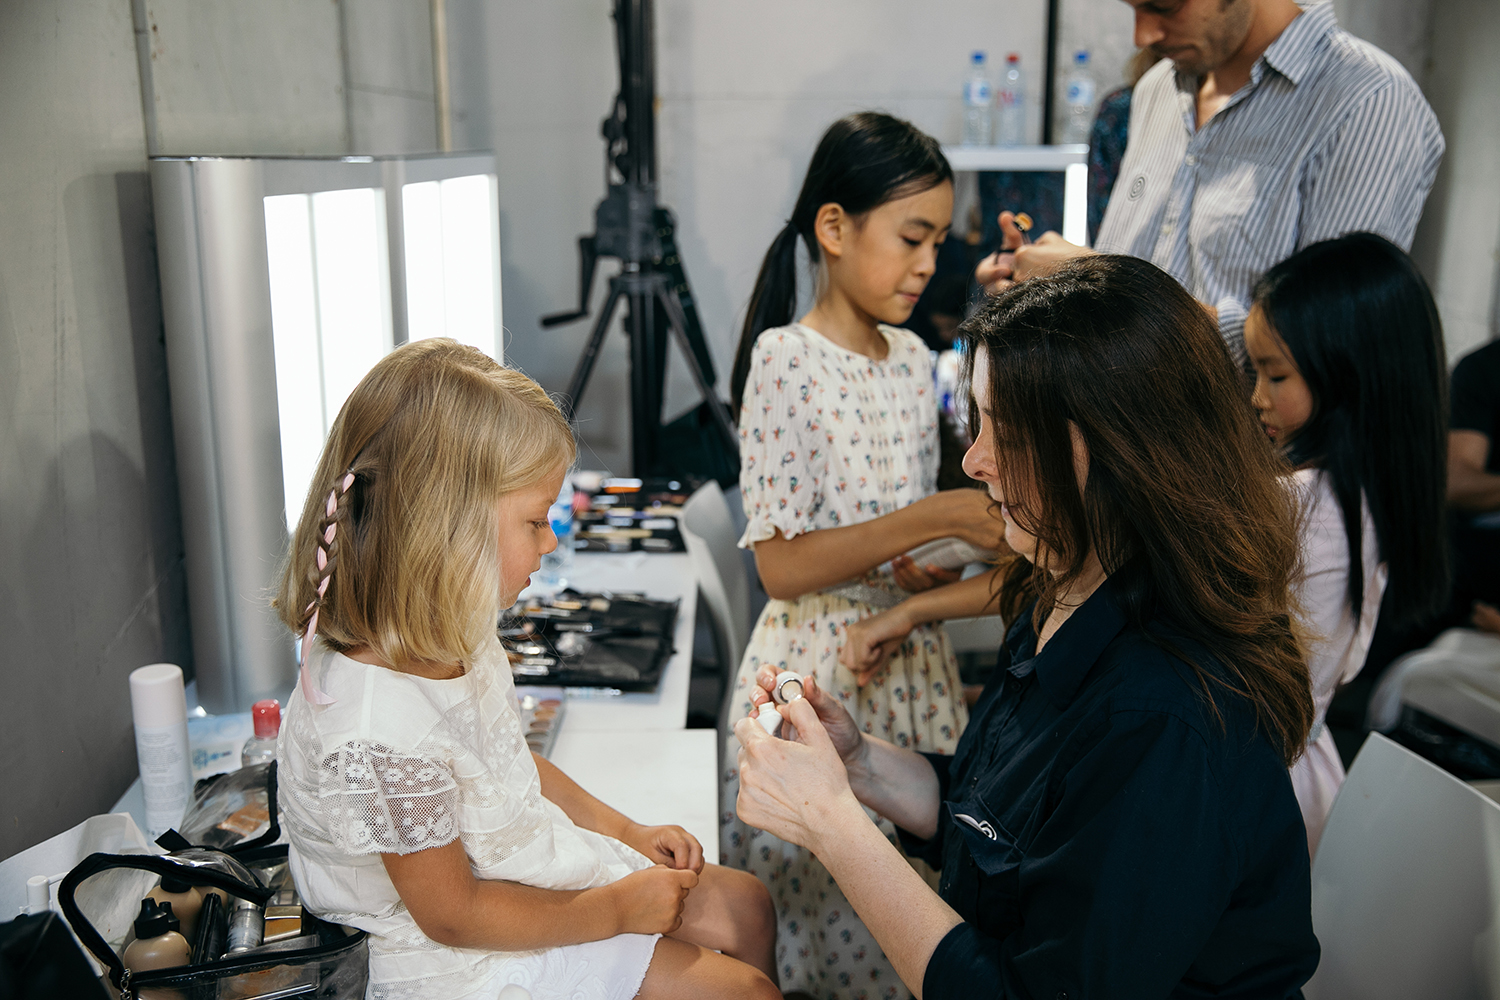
(186, 901)
(158, 943)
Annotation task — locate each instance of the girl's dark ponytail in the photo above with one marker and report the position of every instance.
(772, 304)
(863, 161)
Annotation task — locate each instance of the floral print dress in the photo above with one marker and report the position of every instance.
(829, 437)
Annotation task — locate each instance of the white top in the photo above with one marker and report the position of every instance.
(400, 763)
(829, 437)
(1336, 645)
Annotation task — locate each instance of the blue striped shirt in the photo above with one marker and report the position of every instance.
(1330, 136)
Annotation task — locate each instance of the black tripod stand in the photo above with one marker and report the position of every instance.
(631, 226)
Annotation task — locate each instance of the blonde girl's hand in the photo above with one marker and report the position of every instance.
(650, 901)
(792, 789)
(914, 579)
(836, 721)
(870, 643)
(666, 845)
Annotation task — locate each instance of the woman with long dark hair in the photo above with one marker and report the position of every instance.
(839, 459)
(1351, 383)
(1117, 819)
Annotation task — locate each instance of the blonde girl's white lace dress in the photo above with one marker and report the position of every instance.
(829, 438)
(1336, 644)
(398, 764)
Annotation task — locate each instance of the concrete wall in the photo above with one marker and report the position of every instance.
(91, 582)
(1458, 242)
(91, 577)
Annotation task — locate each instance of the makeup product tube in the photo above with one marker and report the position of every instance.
(161, 743)
(208, 945)
(246, 926)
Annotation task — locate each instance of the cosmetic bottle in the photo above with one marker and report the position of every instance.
(186, 901)
(247, 926)
(158, 943)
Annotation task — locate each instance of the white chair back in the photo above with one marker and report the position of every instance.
(1406, 884)
(721, 570)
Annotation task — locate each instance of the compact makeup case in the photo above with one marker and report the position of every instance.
(101, 896)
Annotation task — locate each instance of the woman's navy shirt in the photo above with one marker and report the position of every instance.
(1103, 835)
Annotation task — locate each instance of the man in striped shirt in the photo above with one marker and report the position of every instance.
(1265, 128)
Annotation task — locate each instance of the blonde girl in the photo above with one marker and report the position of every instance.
(839, 457)
(414, 808)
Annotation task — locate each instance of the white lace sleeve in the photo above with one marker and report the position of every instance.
(782, 452)
(390, 802)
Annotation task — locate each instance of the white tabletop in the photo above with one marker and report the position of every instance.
(661, 576)
(652, 777)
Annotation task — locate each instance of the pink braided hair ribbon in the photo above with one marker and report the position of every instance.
(311, 691)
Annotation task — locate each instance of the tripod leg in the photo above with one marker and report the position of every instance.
(677, 322)
(585, 366)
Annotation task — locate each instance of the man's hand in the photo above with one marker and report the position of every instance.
(1017, 260)
(666, 845)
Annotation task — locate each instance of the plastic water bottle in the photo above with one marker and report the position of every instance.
(1012, 103)
(978, 94)
(557, 565)
(1080, 98)
(261, 748)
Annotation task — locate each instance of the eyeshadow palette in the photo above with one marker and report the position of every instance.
(572, 639)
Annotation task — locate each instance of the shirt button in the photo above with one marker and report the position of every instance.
(1190, 159)
(1166, 229)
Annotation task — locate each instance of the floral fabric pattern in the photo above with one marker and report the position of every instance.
(830, 438)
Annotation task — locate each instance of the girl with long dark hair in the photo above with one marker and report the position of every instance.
(839, 457)
(1117, 819)
(1351, 382)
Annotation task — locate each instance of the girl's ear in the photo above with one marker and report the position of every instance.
(831, 228)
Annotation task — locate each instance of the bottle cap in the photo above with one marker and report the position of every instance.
(155, 920)
(783, 691)
(174, 885)
(1081, 57)
(267, 716)
(978, 57)
(1014, 57)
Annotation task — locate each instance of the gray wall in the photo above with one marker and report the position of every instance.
(91, 576)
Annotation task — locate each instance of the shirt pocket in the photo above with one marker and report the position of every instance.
(992, 846)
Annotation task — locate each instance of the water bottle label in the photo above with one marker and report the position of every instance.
(977, 92)
(1081, 92)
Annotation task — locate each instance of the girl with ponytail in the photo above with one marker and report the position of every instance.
(839, 457)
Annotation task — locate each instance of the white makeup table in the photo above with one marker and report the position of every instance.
(663, 577)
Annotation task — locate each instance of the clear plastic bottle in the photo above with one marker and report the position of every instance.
(261, 748)
(978, 104)
(1080, 100)
(557, 565)
(1012, 103)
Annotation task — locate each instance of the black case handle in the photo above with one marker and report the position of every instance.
(96, 863)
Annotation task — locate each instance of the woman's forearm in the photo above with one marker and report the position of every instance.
(897, 783)
(908, 919)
